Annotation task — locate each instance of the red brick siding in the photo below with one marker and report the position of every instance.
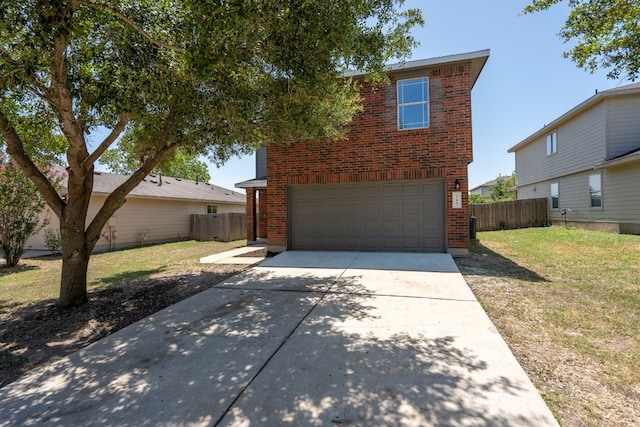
(262, 213)
(251, 214)
(376, 151)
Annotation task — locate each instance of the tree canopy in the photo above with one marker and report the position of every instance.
(606, 32)
(127, 157)
(217, 78)
(502, 190)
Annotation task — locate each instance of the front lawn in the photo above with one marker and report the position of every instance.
(567, 301)
(38, 279)
(124, 287)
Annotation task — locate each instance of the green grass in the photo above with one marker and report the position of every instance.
(38, 279)
(568, 303)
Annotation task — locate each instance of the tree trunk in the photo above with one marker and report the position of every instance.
(76, 243)
(73, 283)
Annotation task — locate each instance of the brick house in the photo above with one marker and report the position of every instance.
(399, 183)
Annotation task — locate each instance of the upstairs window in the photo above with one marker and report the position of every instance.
(552, 143)
(211, 209)
(413, 103)
(555, 196)
(595, 190)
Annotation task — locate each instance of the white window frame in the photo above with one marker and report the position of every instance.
(557, 193)
(425, 102)
(591, 192)
(213, 208)
(552, 143)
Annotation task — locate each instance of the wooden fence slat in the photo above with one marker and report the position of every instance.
(510, 215)
(220, 227)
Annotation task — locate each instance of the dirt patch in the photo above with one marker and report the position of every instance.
(258, 253)
(37, 334)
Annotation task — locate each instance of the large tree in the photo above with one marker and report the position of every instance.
(217, 77)
(606, 32)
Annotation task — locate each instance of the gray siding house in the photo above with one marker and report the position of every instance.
(587, 163)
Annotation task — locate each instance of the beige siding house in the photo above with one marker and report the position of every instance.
(158, 210)
(587, 163)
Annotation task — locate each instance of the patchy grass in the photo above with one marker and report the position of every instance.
(124, 287)
(567, 301)
(38, 279)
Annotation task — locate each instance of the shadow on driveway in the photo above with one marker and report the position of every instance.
(293, 346)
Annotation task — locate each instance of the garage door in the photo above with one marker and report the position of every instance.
(375, 216)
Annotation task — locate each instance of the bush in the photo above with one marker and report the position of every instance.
(52, 240)
(20, 209)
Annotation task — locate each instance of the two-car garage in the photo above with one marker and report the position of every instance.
(404, 216)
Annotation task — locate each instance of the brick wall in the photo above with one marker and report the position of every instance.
(251, 214)
(262, 213)
(376, 150)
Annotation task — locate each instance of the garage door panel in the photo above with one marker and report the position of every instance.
(390, 190)
(390, 209)
(411, 190)
(393, 216)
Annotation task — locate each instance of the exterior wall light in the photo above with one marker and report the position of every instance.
(457, 184)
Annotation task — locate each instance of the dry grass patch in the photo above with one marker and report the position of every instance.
(567, 302)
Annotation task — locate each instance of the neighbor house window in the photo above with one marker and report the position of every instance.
(555, 196)
(212, 209)
(552, 143)
(595, 190)
(413, 103)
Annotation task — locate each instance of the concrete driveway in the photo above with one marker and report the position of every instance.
(305, 339)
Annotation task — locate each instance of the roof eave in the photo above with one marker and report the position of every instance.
(176, 199)
(477, 58)
(619, 161)
(252, 183)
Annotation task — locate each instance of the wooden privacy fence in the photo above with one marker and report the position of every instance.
(510, 215)
(220, 227)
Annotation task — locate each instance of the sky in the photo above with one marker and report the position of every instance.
(525, 84)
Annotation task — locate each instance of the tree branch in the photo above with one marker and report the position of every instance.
(61, 100)
(106, 143)
(117, 12)
(15, 148)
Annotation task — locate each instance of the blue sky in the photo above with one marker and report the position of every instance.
(525, 84)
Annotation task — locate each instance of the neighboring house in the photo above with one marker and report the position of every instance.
(158, 210)
(483, 189)
(587, 163)
(399, 183)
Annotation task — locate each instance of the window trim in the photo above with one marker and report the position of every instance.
(599, 175)
(215, 209)
(407, 104)
(557, 195)
(552, 143)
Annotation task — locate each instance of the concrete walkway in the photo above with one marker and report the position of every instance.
(304, 339)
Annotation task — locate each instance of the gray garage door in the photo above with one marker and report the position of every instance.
(374, 216)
